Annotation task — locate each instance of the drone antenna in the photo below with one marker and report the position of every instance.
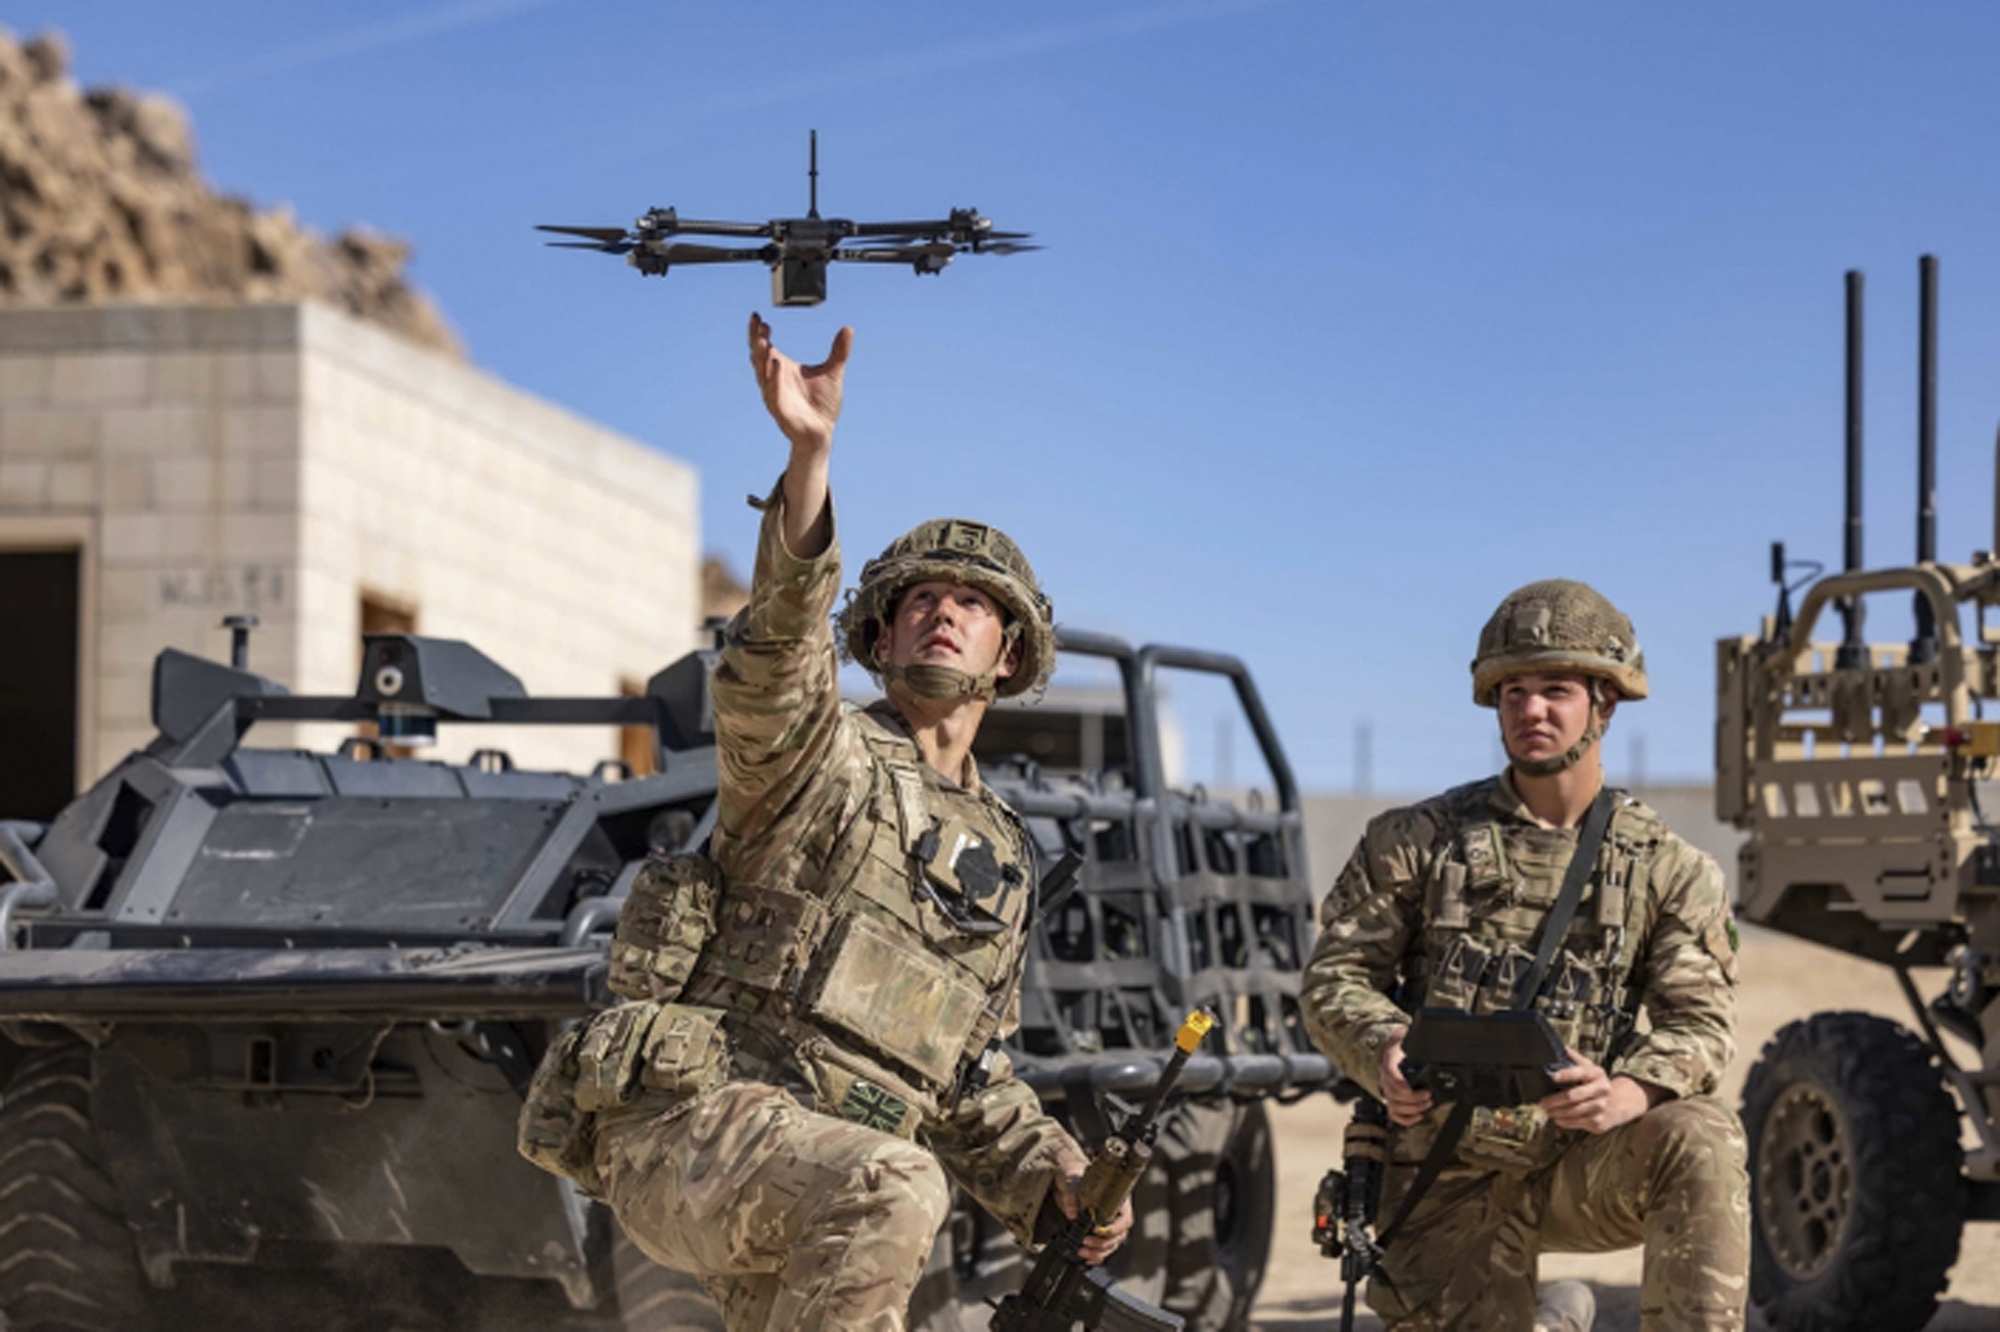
(812, 177)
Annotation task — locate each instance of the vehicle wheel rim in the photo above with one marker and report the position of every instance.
(1805, 1181)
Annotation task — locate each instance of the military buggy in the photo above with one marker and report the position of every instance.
(268, 1014)
(1864, 775)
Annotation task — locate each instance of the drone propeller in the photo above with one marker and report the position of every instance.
(602, 235)
(1003, 247)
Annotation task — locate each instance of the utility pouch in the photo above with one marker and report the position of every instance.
(849, 1088)
(764, 934)
(912, 1006)
(663, 925)
(608, 1056)
(685, 1052)
(555, 1132)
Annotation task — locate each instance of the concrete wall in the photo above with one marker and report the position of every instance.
(288, 460)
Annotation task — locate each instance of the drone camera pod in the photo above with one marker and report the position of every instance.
(798, 282)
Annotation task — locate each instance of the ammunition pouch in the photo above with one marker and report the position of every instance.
(767, 937)
(685, 1053)
(665, 922)
(553, 1131)
(642, 1055)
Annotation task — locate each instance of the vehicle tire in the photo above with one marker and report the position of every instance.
(1857, 1196)
(1221, 1176)
(652, 1298)
(67, 1260)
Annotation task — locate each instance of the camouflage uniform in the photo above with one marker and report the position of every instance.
(790, 1096)
(1444, 898)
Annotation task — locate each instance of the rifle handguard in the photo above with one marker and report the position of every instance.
(1110, 1178)
(1061, 1290)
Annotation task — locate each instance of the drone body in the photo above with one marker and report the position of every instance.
(797, 249)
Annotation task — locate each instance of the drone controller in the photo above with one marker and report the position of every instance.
(1488, 1059)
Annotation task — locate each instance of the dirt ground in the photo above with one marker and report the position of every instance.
(1783, 979)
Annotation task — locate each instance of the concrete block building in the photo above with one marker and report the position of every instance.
(162, 467)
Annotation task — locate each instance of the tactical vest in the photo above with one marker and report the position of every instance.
(1486, 897)
(881, 980)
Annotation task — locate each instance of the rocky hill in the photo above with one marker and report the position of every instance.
(101, 201)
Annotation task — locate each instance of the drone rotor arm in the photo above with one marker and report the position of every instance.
(681, 252)
(906, 231)
(892, 254)
(745, 230)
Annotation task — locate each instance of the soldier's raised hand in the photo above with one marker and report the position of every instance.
(803, 399)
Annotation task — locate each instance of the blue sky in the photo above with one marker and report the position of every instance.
(1352, 317)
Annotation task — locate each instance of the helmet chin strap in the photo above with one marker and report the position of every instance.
(949, 682)
(946, 682)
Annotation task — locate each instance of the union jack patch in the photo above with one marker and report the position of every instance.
(871, 1107)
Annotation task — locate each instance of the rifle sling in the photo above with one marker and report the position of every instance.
(1590, 839)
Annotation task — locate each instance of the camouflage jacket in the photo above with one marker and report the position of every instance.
(1439, 893)
(805, 797)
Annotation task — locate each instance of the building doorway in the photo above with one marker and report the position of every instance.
(40, 605)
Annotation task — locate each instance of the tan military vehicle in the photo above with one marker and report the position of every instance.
(1863, 773)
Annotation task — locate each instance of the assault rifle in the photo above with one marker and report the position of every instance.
(1344, 1207)
(1062, 1290)
(1490, 1059)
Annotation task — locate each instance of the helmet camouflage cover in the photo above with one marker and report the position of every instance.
(1553, 627)
(957, 551)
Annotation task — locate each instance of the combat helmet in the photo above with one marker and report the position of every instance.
(1557, 626)
(958, 551)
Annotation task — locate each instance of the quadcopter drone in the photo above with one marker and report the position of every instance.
(798, 249)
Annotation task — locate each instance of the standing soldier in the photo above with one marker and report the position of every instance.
(813, 1038)
(1442, 905)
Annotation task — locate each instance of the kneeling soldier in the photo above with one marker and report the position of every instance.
(813, 1042)
(1443, 905)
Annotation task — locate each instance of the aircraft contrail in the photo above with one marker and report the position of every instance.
(353, 41)
(980, 51)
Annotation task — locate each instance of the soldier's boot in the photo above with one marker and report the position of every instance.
(1564, 1306)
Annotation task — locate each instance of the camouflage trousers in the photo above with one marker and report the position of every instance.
(791, 1218)
(1672, 1179)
